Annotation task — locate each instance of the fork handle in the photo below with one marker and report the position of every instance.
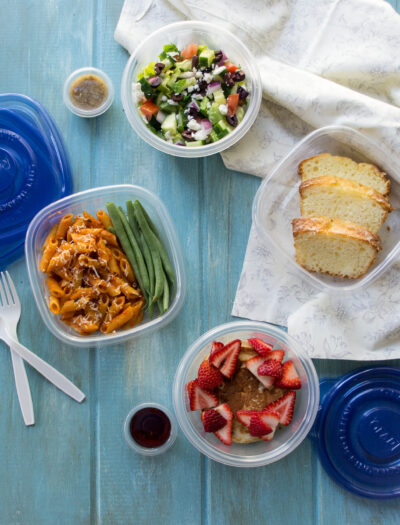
(47, 371)
(23, 390)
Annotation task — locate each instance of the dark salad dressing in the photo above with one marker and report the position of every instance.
(150, 427)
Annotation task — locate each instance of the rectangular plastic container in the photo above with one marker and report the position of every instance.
(91, 201)
(277, 201)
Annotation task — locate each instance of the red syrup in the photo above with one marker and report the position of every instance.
(150, 427)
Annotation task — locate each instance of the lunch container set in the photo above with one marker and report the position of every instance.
(355, 426)
(182, 34)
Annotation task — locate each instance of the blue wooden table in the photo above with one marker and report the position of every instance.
(74, 467)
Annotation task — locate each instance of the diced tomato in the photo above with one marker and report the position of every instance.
(144, 100)
(233, 101)
(190, 51)
(230, 67)
(148, 109)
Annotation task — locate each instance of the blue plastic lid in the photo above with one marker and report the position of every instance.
(357, 431)
(34, 169)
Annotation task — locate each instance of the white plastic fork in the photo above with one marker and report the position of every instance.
(10, 308)
(10, 303)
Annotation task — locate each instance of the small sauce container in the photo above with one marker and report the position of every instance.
(88, 92)
(150, 429)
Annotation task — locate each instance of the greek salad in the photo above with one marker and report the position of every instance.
(191, 97)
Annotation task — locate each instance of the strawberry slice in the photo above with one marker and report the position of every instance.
(216, 345)
(225, 433)
(270, 367)
(226, 358)
(290, 378)
(257, 427)
(283, 407)
(244, 416)
(277, 354)
(260, 346)
(212, 420)
(253, 365)
(270, 419)
(208, 376)
(200, 398)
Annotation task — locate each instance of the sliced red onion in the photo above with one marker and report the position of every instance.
(187, 74)
(179, 143)
(206, 125)
(160, 117)
(213, 86)
(194, 105)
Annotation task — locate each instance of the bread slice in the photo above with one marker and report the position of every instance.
(327, 164)
(338, 248)
(342, 199)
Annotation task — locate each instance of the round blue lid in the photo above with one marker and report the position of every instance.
(34, 169)
(357, 431)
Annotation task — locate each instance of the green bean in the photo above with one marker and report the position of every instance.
(153, 227)
(112, 230)
(143, 245)
(163, 254)
(136, 250)
(123, 238)
(166, 295)
(160, 306)
(151, 242)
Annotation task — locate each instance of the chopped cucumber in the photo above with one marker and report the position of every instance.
(203, 106)
(222, 128)
(206, 57)
(219, 97)
(214, 113)
(214, 136)
(195, 143)
(181, 121)
(169, 124)
(239, 113)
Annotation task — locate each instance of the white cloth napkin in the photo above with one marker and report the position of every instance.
(325, 62)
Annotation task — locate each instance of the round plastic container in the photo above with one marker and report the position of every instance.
(34, 169)
(88, 113)
(357, 431)
(91, 201)
(146, 451)
(182, 34)
(277, 202)
(286, 439)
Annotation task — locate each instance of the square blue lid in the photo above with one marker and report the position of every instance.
(34, 169)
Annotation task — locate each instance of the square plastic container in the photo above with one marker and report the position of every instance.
(286, 439)
(277, 201)
(91, 201)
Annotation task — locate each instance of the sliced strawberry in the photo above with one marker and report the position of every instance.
(212, 420)
(200, 398)
(225, 433)
(208, 376)
(283, 407)
(270, 367)
(257, 427)
(277, 354)
(244, 416)
(290, 378)
(270, 419)
(216, 345)
(227, 357)
(253, 364)
(260, 346)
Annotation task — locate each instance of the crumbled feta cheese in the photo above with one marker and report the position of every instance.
(219, 70)
(192, 124)
(200, 135)
(172, 102)
(199, 74)
(137, 92)
(197, 96)
(164, 98)
(208, 77)
(186, 111)
(223, 109)
(191, 88)
(208, 105)
(168, 135)
(144, 118)
(184, 92)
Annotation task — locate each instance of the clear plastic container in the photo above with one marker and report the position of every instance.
(91, 201)
(88, 113)
(277, 201)
(145, 451)
(182, 34)
(286, 439)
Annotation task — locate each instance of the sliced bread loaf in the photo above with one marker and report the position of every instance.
(338, 198)
(338, 248)
(335, 166)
